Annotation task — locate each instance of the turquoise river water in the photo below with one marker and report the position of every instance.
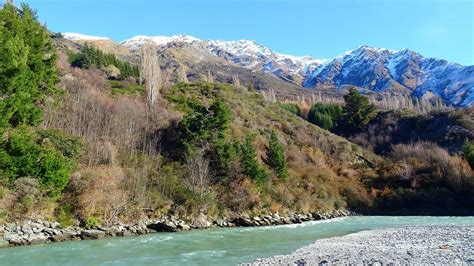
(227, 246)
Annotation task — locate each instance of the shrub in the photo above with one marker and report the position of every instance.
(292, 108)
(65, 215)
(126, 88)
(25, 154)
(70, 147)
(325, 115)
(276, 156)
(91, 222)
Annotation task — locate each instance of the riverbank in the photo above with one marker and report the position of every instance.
(41, 232)
(406, 245)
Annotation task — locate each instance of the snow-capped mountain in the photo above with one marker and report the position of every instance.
(248, 54)
(251, 54)
(136, 42)
(404, 71)
(375, 69)
(81, 37)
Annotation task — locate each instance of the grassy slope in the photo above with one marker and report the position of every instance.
(324, 168)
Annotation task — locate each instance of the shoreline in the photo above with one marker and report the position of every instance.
(34, 232)
(393, 246)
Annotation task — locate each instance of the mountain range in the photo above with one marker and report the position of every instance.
(373, 69)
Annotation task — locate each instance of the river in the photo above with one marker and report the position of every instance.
(226, 246)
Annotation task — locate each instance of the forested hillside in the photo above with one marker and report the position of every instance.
(89, 137)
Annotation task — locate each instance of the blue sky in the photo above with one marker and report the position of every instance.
(321, 28)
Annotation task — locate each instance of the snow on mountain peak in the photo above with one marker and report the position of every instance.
(137, 41)
(81, 37)
(251, 54)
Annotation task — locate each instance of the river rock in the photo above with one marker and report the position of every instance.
(37, 239)
(201, 222)
(92, 234)
(163, 227)
(4, 243)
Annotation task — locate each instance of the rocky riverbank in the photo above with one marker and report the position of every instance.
(41, 231)
(414, 245)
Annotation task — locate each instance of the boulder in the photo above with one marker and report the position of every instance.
(112, 231)
(37, 239)
(201, 222)
(18, 241)
(163, 227)
(184, 226)
(92, 234)
(4, 243)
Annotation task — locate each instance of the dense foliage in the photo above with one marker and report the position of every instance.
(27, 67)
(27, 78)
(276, 156)
(357, 111)
(292, 108)
(90, 56)
(250, 163)
(46, 156)
(325, 115)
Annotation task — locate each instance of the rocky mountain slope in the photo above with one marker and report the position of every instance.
(373, 69)
(404, 71)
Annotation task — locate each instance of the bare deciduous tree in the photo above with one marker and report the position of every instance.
(182, 75)
(198, 170)
(150, 73)
(210, 78)
(236, 80)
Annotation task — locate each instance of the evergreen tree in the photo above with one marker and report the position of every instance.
(27, 67)
(357, 112)
(250, 163)
(325, 115)
(468, 152)
(27, 77)
(276, 156)
(92, 57)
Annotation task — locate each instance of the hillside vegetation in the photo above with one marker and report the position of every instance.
(81, 145)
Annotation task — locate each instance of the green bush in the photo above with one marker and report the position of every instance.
(70, 147)
(276, 156)
(292, 108)
(65, 215)
(92, 222)
(125, 88)
(325, 115)
(23, 153)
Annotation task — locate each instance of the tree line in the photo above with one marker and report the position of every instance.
(92, 57)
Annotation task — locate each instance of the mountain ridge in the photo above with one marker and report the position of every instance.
(375, 69)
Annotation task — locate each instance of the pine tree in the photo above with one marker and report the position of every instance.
(27, 77)
(357, 112)
(27, 67)
(250, 163)
(325, 115)
(276, 156)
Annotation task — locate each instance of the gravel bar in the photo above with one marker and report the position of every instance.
(407, 245)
